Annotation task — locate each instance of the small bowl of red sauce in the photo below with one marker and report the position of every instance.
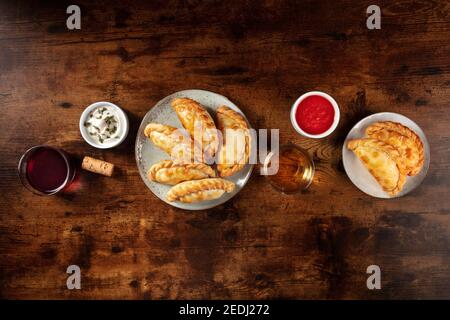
(315, 114)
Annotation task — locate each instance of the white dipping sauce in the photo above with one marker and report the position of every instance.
(103, 124)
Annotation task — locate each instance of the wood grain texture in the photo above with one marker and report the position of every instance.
(262, 55)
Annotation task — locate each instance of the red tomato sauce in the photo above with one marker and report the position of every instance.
(315, 115)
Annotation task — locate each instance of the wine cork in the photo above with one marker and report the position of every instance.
(97, 166)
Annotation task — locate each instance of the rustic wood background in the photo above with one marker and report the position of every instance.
(262, 55)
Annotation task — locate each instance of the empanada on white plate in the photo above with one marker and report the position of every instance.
(147, 153)
(383, 161)
(170, 172)
(178, 146)
(198, 122)
(200, 190)
(235, 150)
(406, 141)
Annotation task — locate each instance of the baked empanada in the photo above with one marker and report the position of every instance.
(404, 140)
(383, 161)
(235, 150)
(170, 172)
(180, 147)
(198, 122)
(200, 190)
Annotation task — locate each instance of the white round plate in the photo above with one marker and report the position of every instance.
(361, 177)
(147, 153)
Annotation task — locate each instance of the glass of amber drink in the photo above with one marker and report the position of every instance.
(290, 169)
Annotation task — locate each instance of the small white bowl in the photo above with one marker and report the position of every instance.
(123, 125)
(336, 114)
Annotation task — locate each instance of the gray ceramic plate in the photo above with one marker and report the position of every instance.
(361, 177)
(147, 153)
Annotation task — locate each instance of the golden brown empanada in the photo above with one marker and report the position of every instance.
(382, 160)
(200, 190)
(180, 147)
(170, 172)
(198, 122)
(406, 141)
(235, 150)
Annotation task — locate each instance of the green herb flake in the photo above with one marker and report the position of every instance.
(109, 119)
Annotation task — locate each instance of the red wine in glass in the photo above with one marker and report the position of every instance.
(46, 170)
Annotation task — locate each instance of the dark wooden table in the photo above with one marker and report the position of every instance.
(261, 244)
